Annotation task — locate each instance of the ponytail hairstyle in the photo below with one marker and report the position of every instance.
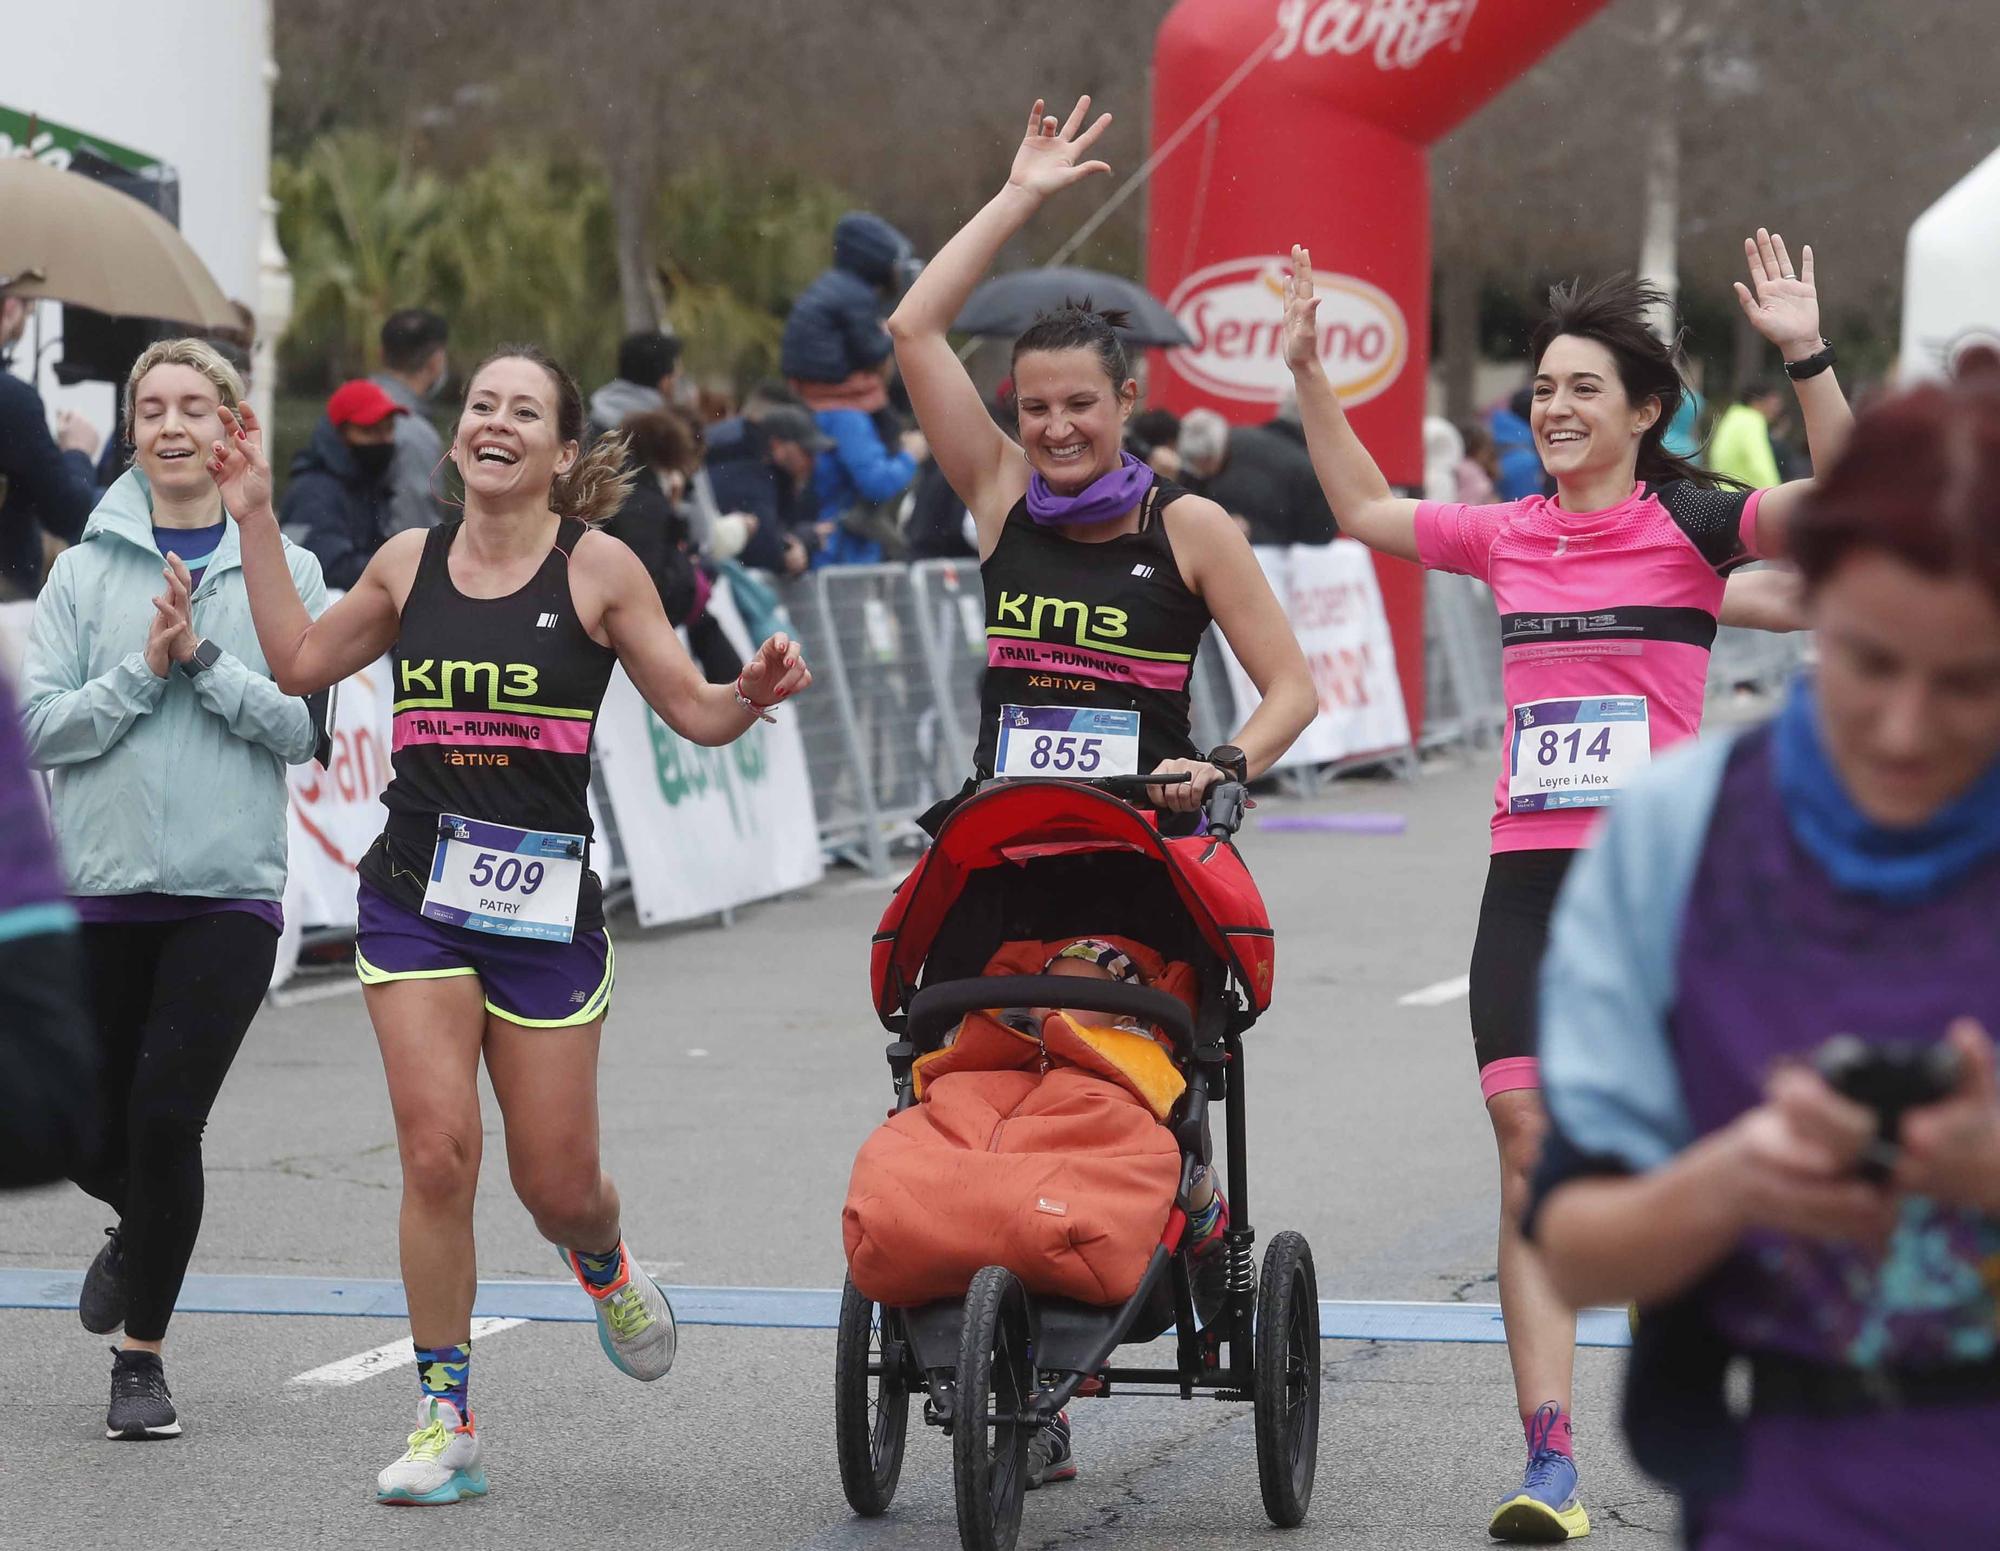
(1612, 313)
(1079, 326)
(599, 481)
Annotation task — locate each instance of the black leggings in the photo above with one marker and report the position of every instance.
(1521, 889)
(172, 1002)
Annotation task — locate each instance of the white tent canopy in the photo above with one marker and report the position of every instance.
(1951, 275)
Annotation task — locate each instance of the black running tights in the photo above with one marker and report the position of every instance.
(172, 1001)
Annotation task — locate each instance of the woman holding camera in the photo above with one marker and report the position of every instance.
(1834, 873)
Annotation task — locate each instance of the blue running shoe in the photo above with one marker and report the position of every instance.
(1545, 1510)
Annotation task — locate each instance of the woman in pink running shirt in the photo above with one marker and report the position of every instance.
(1609, 596)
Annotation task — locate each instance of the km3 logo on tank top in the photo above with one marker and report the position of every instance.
(1091, 626)
(496, 698)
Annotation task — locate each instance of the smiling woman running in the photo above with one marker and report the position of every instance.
(481, 924)
(1100, 578)
(1609, 596)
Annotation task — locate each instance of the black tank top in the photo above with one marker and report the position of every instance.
(496, 704)
(1106, 625)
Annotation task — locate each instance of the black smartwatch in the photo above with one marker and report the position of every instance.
(206, 655)
(1228, 758)
(1812, 365)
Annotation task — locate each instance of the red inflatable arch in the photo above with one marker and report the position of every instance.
(1322, 141)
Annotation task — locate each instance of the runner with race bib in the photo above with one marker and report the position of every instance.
(1100, 578)
(481, 922)
(1609, 597)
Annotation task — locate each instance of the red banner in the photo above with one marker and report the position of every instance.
(1323, 142)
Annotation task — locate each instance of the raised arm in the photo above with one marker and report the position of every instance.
(305, 654)
(982, 464)
(1363, 504)
(634, 625)
(1784, 308)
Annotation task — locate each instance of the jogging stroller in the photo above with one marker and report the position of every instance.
(1046, 859)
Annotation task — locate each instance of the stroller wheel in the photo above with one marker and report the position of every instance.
(1287, 1403)
(871, 1401)
(992, 1420)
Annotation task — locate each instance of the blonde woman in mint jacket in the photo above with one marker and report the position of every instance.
(146, 696)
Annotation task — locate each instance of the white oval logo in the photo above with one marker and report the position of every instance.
(1235, 314)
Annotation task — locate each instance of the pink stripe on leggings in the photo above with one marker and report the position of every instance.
(1508, 1075)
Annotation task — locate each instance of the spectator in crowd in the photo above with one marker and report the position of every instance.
(649, 374)
(760, 464)
(155, 708)
(47, 484)
(839, 359)
(339, 500)
(1521, 472)
(48, 1063)
(1258, 475)
(1836, 871)
(415, 364)
(1444, 450)
(1153, 437)
(1683, 438)
(667, 450)
(1740, 449)
(1479, 469)
(834, 332)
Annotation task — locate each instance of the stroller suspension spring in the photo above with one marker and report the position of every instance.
(1242, 1262)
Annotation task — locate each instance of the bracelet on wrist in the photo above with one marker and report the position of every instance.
(1812, 365)
(762, 713)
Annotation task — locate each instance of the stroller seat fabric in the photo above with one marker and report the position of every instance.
(1044, 1156)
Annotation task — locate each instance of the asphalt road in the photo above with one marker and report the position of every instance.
(741, 1071)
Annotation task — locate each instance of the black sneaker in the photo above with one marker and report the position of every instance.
(1050, 1457)
(140, 1405)
(101, 1305)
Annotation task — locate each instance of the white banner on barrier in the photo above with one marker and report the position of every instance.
(1334, 602)
(706, 829)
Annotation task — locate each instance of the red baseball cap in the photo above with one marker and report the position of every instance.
(360, 402)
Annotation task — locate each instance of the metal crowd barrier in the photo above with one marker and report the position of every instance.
(898, 651)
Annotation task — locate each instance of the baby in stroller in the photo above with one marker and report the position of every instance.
(1085, 1095)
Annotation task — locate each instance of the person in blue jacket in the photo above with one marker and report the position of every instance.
(839, 359)
(145, 692)
(1521, 473)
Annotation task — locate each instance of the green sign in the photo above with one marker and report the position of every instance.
(686, 770)
(28, 134)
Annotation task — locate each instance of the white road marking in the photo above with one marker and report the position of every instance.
(1437, 995)
(286, 997)
(365, 1365)
(697, 1052)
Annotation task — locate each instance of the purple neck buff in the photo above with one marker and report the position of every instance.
(1105, 497)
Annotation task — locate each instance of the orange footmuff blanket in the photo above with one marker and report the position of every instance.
(1065, 1176)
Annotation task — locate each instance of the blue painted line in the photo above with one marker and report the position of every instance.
(769, 1308)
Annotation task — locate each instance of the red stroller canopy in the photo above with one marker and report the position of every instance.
(1021, 822)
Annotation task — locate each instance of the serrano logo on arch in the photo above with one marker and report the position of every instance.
(1234, 313)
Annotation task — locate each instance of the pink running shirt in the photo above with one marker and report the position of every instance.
(1595, 607)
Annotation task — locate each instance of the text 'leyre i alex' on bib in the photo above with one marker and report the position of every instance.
(512, 882)
(1575, 753)
(1054, 740)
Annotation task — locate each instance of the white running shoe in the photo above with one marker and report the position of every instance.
(441, 1464)
(635, 1323)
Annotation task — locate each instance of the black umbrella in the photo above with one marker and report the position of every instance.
(1007, 304)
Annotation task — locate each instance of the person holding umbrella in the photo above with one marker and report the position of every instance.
(46, 484)
(1100, 577)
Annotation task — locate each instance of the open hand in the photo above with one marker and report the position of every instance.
(1048, 161)
(777, 672)
(1784, 307)
(1301, 313)
(237, 463)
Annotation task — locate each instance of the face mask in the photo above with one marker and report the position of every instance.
(373, 460)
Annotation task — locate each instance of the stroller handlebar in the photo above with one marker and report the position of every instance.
(937, 1008)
